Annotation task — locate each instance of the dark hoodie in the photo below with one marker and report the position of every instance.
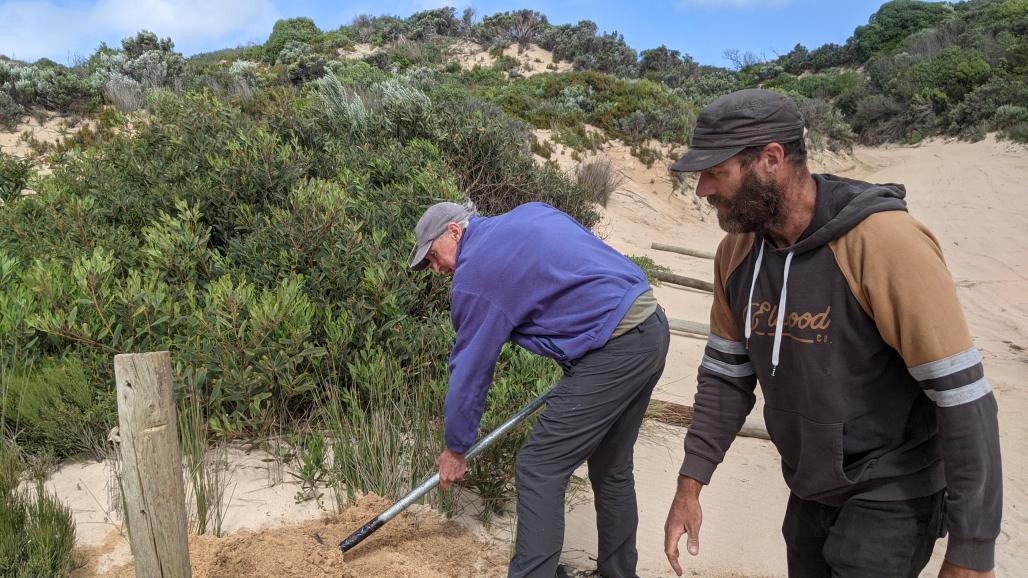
(872, 386)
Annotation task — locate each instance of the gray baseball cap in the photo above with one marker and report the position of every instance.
(744, 118)
(432, 224)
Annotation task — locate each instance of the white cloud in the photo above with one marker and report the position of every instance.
(32, 29)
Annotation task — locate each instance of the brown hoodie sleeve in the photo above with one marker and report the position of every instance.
(726, 380)
(895, 269)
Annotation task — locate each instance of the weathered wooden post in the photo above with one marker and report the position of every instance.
(155, 505)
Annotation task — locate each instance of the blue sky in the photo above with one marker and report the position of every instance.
(64, 30)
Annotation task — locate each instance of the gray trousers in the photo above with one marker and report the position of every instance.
(592, 415)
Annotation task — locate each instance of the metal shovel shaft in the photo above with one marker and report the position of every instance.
(425, 486)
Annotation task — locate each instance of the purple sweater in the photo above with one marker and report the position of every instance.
(536, 277)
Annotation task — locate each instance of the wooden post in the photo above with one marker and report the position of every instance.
(682, 250)
(151, 465)
(684, 281)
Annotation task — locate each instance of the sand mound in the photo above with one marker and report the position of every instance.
(531, 58)
(52, 130)
(419, 544)
(359, 51)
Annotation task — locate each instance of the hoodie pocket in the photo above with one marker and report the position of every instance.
(812, 453)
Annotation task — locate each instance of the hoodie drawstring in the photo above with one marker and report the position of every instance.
(781, 306)
(749, 302)
(781, 316)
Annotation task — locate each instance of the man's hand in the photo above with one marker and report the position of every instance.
(949, 570)
(684, 517)
(451, 468)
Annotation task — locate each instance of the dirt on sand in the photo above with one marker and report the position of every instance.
(416, 544)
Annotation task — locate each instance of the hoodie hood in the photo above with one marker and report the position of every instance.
(842, 204)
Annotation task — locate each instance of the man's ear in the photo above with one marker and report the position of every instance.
(455, 230)
(774, 157)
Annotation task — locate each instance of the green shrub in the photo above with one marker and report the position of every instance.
(49, 536)
(892, 23)
(302, 63)
(489, 155)
(264, 243)
(826, 127)
(11, 112)
(300, 30)
(668, 66)
(125, 93)
(407, 109)
(824, 86)
(53, 87)
(649, 267)
(708, 84)
(14, 176)
(505, 28)
(36, 531)
(1012, 122)
(356, 72)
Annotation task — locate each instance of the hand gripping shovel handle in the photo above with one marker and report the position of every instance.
(380, 520)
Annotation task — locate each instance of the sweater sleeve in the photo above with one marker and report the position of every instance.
(725, 382)
(896, 270)
(482, 329)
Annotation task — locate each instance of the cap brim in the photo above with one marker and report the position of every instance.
(702, 159)
(418, 261)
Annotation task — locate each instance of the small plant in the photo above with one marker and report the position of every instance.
(543, 149)
(206, 467)
(311, 455)
(11, 112)
(37, 534)
(649, 267)
(124, 93)
(14, 176)
(646, 154)
(600, 178)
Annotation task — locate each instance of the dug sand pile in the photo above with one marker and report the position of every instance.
(416, 544)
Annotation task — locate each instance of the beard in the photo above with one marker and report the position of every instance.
(755, 208)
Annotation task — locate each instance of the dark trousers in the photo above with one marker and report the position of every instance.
(862, 538)
(592, 415)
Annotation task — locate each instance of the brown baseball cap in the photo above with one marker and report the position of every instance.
(744, 118)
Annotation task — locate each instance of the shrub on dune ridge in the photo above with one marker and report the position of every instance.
(265, 245)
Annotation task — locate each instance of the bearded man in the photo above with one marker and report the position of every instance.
(839, 304)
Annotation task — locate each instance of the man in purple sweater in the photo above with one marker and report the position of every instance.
(536, 277)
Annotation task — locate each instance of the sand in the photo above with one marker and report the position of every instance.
(418, 544)
(970, 194)
(531, 58)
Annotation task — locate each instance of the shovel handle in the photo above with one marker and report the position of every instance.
(433, 480)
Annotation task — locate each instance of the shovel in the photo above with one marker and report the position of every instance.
(380, 520)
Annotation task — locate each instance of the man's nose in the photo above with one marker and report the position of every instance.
(704, 187)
